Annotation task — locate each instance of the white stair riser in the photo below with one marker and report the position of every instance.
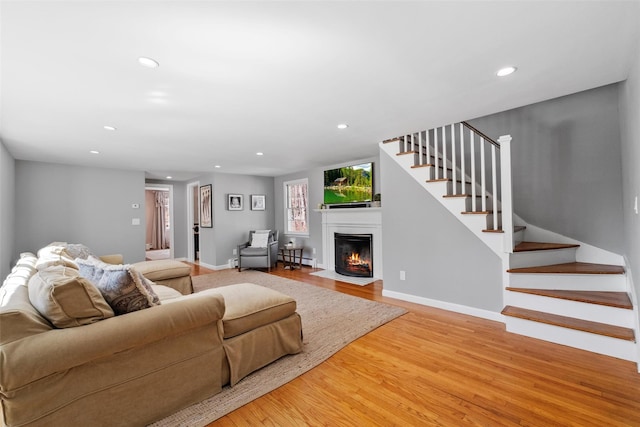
(538, 258)
(570, 282)
(608, 346)
(579, 310)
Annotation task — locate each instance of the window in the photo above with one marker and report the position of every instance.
(296, 198)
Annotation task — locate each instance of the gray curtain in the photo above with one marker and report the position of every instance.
(159, 234)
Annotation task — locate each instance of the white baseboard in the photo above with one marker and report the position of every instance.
(457, 308)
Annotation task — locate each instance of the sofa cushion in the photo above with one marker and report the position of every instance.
(165, 293)
(54, 255)
(124, 288)
(66, 299)
(162, 269)
(249, 306)
(18, 318)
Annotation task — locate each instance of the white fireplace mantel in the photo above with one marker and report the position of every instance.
(351, 221)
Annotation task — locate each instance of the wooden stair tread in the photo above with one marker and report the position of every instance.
(540, 246)
(571, 268)
(570, 323)
(606, 298)
(402, 153)
(516, 228)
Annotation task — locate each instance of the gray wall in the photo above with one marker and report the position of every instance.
(442, 259)
(7, 213)
(79, 205)
(316, 197)
(230, 228)
(630, 133)
(567, 164)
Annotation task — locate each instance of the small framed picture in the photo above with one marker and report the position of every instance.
(234, 202)
(206, 219)
(257, 202)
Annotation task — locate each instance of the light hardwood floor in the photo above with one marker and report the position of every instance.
(434, 367)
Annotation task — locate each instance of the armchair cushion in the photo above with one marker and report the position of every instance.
(251, 251)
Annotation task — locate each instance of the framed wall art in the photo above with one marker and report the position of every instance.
(234, 202)
(206, 206)
(258, 202)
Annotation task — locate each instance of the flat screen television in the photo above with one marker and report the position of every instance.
(349, 184)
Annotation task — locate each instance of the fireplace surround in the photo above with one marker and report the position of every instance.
(352, 221)
(353, 254)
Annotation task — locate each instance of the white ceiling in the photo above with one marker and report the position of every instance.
(240, 77)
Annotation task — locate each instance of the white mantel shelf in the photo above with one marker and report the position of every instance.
(351, 221)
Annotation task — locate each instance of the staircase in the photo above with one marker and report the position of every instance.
(555, 289)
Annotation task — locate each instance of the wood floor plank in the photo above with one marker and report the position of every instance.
(438, 368)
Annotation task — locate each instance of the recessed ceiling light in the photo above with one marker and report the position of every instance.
(506, 71)
(94, 152)
(169, 177)
(259, 153)
(109, 128)
(343, 126)
(148, 62)
(217, 166)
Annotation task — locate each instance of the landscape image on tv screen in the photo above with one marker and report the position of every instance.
(349, 184)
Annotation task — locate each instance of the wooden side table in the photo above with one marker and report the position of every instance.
(288, 255)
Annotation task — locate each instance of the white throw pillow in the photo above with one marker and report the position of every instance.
(260, 239)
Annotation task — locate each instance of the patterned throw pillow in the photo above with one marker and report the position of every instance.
(124, 288)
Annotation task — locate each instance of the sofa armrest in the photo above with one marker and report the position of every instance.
(112, 259)
(37, 356)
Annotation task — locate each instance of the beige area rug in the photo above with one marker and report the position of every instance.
(330, 321)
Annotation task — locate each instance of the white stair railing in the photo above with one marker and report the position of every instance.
(480, 169)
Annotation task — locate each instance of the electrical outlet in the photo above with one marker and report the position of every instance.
(403, 276)
(235, 251)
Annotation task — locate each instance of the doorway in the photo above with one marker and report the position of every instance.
(193, 221)
(159, 220)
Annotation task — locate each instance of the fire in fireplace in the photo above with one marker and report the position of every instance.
(353, 254)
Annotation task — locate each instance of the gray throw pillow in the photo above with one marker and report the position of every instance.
(124, 288)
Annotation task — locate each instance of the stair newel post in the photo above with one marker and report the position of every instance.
(473, 171)
(494, 186)
(483, 176)
(462, 161)
(506, 191)
(454, 175)
(436, 151)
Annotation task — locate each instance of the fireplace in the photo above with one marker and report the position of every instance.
(353, 254)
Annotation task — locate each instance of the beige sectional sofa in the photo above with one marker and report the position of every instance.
(68, 359)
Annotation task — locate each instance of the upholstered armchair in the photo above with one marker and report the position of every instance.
(260, 251)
